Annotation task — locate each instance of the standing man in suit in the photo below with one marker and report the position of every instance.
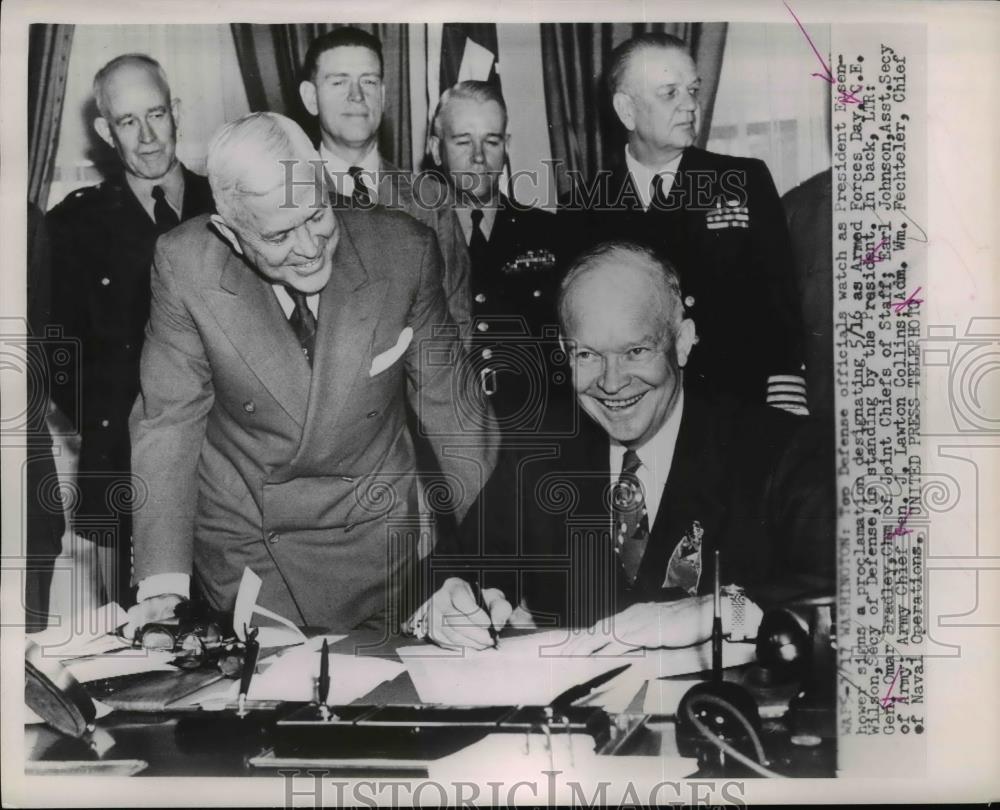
(342, 86)
(513, 253)
(627, 514)
(102, 241)
(717, 218)
(283, 343)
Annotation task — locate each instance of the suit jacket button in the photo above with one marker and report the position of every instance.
(480, 298)
(487, 354)
(105, 281)
(537, 294)
(249, 407)
(105, 423)
(482, 326)
(273, 537)
(689, 301)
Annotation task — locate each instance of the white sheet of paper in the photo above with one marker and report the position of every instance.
(522, 670)
(530, 670)
(247, 613)
(127, 662)
(69, 640)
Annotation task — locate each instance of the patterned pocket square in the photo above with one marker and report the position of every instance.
(684, 568)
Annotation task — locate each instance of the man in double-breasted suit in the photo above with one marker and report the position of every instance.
(283, 343)
(626, 514)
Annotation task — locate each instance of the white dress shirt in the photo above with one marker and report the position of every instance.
(339, 171)
(465, 220)
(288, 305)
(642, 176)
(656, 456)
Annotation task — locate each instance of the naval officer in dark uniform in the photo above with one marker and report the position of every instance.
(514, 253)
(717, 218)
(102, 249)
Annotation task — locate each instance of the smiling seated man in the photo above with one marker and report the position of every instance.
(284, 343)
(622, 519)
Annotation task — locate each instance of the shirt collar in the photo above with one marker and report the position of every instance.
(659, 449)
(465, 219)
(642, 176)
(173, 189)
(339, 170)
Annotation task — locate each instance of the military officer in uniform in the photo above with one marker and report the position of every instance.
(102, 247)
(718, 218)
(513, 251)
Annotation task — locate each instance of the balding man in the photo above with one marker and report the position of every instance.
(102, 248)
(625, 516)
(283, 344)
(716, 217)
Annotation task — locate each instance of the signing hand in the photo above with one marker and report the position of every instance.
(154, 609)
(453, 620)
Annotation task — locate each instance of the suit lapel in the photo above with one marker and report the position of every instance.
(348, 310)
(249, 313)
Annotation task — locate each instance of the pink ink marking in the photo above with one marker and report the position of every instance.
(911, 301)
(889, 700)
(874, 256)
(901, 530)
(844, 96)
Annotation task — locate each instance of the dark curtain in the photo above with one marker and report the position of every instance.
(271, 57)
(585, 133)
(48, 66)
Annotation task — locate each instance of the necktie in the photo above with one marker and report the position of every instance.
(631, 529)
(303, 323)
(478, 247)
(362, 196)
(658, 200)
(162, 212)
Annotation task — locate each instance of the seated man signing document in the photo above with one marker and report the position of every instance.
(283, 344)
(622, 517)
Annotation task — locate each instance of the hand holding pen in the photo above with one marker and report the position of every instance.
(461, 615)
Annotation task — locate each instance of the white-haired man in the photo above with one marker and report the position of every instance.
(687, 474)
(283, 345)
(102, 246)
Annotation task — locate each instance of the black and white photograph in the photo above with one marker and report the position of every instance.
(481, 405)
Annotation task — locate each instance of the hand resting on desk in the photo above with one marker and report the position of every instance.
(158, 608)
(451, 618)
(652, 625)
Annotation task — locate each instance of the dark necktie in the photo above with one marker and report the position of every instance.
(362, 196)
(478, 247)
(631, 529)
(303, 323)
(658, 201)
(164, 215)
